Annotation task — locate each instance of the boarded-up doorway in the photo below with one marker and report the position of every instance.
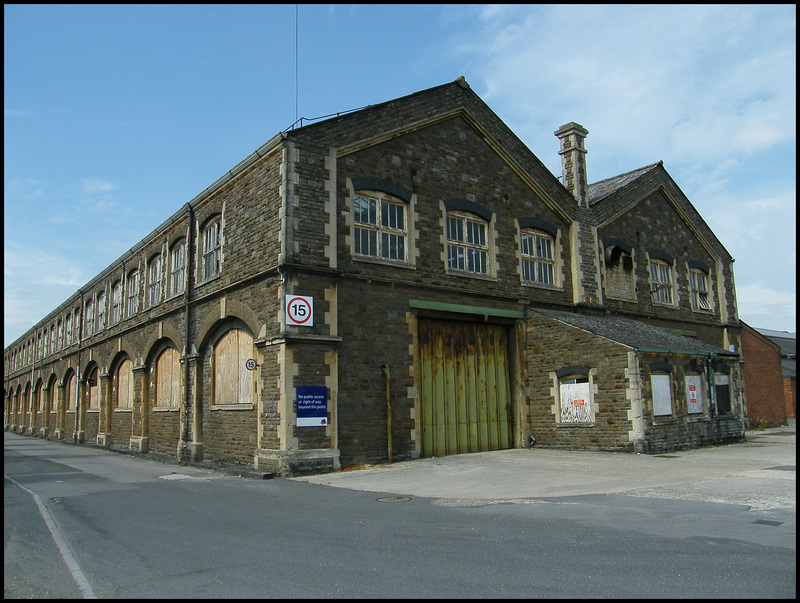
(465, 394)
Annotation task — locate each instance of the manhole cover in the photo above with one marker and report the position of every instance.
(393, 499)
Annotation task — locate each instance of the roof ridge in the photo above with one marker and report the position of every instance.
(644, 167)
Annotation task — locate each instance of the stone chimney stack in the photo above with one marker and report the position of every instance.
(573, 161)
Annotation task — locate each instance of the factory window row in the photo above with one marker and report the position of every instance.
(620, 282)
(162, 277)
(381, 231)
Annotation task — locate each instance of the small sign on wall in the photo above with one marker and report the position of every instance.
(312, 406)
(300, 310)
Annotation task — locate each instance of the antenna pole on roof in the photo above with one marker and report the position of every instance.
(296, 60)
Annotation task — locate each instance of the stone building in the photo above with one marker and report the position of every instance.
(400, 281)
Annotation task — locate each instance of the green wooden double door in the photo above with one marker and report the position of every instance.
(465, 393)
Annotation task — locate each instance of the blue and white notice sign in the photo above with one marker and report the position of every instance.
(312, 406)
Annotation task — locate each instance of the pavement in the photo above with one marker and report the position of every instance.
(759, 472)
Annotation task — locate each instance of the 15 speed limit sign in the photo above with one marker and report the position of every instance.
(300, 310)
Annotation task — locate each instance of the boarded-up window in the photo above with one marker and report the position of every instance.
(69, 403)
(620, 280)
(576, 403)
(125, 385)
(233, 383)
(94, 390)
(662, 395)
(168, 379)
(694, 393)
(722, 391)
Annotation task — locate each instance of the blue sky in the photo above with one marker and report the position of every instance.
(116, 116)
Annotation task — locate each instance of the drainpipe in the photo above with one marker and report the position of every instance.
(30, 401)
(712, 398)
(79, 412)
(385, 370)
(187, 348)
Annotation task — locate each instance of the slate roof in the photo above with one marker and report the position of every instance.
(600, 190)
(633, 333)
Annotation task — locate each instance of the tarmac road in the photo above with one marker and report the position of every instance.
(759, 473)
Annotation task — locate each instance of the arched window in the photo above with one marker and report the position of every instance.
(94, 390)
(380, 226)
(69, 392)
(154, 281)
(168, 379)
(620, 280)
(101, 311)
(177, 267)
(662, 280)
(52, 397)
(124, 385)
(38, 399)
(116, 302)
(89, 313)
(698, 286)
(536, 247)
(467, 243)
(132, 306)
(212, 248)
(68, 332)
(233, 383)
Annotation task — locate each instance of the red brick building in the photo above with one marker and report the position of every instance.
(763, 379)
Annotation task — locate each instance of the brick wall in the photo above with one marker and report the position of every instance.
(763, 381)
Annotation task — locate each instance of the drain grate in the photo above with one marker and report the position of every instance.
(782, 468)
(393, 499)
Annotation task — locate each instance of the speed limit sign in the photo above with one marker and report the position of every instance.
(250, 365)
(299, 310)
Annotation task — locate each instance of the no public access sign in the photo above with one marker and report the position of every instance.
(300, 310)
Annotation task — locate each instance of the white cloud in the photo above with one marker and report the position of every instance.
(28, 189)
(686, 81)
(96, 186)
(34, 284)
(763, 302)
(15, 113)
(29, 267)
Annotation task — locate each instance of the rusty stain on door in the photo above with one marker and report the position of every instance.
(464, 387)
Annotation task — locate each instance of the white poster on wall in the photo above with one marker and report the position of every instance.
(575, 403)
